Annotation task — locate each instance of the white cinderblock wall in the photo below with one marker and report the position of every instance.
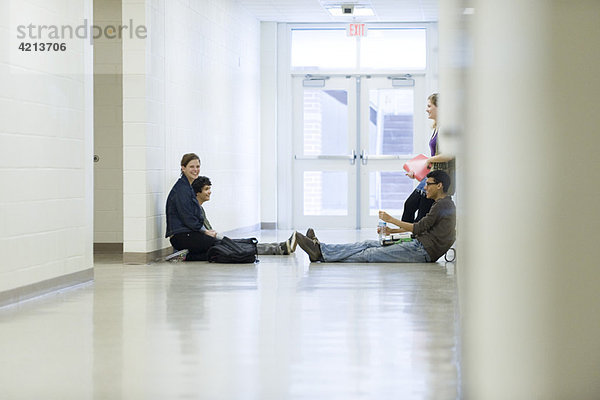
(268, 121)
(192, 86)
(46, 175)
(108, 126)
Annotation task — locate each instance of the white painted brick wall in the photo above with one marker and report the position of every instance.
(45, 152)
(199, 92)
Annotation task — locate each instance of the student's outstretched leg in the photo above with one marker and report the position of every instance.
(341, 252)
(281, 248)
(372, 252)
(273, 249)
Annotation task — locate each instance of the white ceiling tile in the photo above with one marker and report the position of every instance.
(313, 10)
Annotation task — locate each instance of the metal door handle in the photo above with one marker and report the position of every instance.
(387, 157)
(351, 157)
(365, 157)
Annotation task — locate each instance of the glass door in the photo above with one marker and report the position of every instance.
(392, 131)
(352, 136)
(325, 167)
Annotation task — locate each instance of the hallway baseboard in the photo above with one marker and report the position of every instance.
(102, 248)
(27, 292)
(146, 258)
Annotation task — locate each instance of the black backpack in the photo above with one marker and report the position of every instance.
(233, 251)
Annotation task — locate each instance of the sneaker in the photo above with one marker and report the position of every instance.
(292, 242)
(310, 246)
(178, 256)
(289, 246)
(284, 249)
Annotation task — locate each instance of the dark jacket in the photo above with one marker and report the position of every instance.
(183, 211)
(437, 230)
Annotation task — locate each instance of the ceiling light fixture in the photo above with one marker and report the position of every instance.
(357, 11)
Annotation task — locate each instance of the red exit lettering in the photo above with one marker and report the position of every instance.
(356, 30)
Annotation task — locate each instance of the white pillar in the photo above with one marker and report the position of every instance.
(268, 118)
(144, 139)
(531, 298)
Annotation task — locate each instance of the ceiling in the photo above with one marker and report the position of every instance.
(315, 10)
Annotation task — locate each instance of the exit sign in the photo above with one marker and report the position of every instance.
(356, 30)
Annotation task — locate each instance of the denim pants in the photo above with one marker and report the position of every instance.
(421, 187)
(269, 248)
(372, 251)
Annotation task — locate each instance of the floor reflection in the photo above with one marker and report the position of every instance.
(279, 329)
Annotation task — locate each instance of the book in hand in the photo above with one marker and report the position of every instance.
(397, 238)
(418, 165)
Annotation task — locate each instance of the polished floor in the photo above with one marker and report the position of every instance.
(280, 329)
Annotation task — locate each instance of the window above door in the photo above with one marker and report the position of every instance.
(383, 48)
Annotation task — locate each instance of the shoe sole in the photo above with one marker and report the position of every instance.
(177, 256)
(311, 255)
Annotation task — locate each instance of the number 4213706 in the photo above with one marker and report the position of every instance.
(42, 46)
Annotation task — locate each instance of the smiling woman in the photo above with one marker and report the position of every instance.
(185, 220)
(190, 166)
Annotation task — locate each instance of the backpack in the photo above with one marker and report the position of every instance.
(237, 251)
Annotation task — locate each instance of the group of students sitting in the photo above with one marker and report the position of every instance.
(188, 228)
(192, 235)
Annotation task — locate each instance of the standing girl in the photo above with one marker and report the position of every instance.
(418, 202)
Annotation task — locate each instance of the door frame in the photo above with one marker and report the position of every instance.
(356, 162)
(282, 97)
(345, 162)
(374, 163)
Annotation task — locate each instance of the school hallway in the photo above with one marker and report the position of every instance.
(302, 113)
(283, 328)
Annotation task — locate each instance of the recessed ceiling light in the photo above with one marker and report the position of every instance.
(358, 12)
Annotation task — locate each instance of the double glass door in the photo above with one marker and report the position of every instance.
(352, 135)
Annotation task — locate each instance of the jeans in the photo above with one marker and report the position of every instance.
(269, 248)
(372, 251)
(421, 186)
